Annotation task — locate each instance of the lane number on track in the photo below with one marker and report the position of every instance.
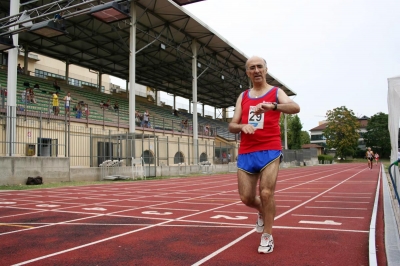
(229, 217)
(327, 222)
(157, 213)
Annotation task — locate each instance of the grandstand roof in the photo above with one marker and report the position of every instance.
(105, 47)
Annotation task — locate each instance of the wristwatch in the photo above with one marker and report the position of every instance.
(275, 106)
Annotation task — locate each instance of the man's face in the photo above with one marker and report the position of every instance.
(256, 69)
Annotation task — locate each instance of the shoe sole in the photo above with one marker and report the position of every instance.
(265, 251)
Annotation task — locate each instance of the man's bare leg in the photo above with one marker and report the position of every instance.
(267, 189)
(247, 185)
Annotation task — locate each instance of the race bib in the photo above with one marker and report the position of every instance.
(256, 121)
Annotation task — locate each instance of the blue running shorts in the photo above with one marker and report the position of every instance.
(255, 162)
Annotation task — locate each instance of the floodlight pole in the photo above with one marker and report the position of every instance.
(132, 68)
(12, 87)
(194, 95)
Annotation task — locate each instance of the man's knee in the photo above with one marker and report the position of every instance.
(247, 200)
(266, 193)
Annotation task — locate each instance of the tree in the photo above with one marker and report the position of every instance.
(305, 137)
(291, 128)
(341, 131)
(377, 135)
(295, 133)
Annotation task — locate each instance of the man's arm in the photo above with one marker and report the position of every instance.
(235, 125)
(285, 105)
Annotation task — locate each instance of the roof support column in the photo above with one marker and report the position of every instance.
(26, 59)
(215, 112)
(202, 111)
(174, 102)
(190, 106)
(11, 121)
(224, 114)
(100, 81)
(67, 71)
(194, 95)
(132, 68)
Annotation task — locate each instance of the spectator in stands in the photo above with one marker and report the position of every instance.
(137, 118)
(31, 96)
(146, 118)
(25, 96)
(78, 111)
(108, 104)
(67, 100)
(86, 111)
(19, 69)
(102, 104)
(55, 86)
(36, 86)
(116, 107)
(175, 113)
(56, 105)
(185, 123)
(229, 157)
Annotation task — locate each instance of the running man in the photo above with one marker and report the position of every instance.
(370, 157)
(257, 117)
(376, 158)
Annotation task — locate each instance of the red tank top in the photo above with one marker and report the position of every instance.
(268, 133)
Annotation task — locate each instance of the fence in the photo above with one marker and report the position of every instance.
(52, 136)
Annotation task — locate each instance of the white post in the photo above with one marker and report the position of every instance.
(132, 68)
(194, 95)
(12, 87)
(286, 146)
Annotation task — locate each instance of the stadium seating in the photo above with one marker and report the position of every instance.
(160, 117)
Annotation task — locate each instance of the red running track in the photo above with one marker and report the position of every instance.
(323, 217)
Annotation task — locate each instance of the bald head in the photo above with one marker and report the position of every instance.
(255, 58)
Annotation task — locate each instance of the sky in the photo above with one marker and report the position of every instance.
(332, 53)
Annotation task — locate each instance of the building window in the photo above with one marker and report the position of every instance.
(178, 158)
(148, 157)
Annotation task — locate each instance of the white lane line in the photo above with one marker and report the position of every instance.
(277, 217)
(320, 229)
(338, 201)
(203, 203)
(328, 216)
(189, 210)
(338, 208)
(347, 197)
(225, 247)
(350, 193)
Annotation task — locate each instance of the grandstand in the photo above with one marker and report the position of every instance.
(171, 47)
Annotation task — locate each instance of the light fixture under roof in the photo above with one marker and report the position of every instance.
(109, 12)
(186, 2)
(48, 28)
(6, 42)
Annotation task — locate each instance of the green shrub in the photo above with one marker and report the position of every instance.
(321, 158)
(329, 158)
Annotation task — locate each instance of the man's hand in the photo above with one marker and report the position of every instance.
(263, 107)
(248, 129)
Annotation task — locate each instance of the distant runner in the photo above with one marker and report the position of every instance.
(370, 157)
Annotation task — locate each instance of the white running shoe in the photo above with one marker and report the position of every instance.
(266, 244)
(259, 223)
